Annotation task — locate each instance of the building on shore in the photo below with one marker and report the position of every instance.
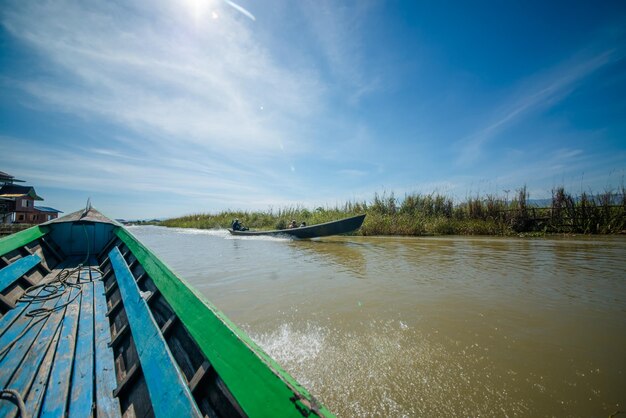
(45, 213)
(17, 203)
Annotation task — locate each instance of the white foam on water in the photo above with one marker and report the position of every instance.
(217, 232)
(257, 237)
(386, 368)
(291, 345)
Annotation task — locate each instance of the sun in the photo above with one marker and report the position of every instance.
(200, 9)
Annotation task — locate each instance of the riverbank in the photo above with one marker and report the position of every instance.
(8, 229)
(436, 214)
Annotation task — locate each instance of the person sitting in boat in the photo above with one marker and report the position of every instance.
(303, 224)
(293, 224)
(237, 226)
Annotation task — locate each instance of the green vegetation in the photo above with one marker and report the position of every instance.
(436, 214)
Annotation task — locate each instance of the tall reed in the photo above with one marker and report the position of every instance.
(436, 214)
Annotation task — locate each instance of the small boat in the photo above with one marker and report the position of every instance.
(341, 226)
(93, 324)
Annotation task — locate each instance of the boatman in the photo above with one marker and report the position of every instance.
(237, 226)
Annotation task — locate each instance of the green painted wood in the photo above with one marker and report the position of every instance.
(19, 239)
(57, 391)
(82, 394)
(168, 390)
(106, 405)
(262, 388)
(17, 269)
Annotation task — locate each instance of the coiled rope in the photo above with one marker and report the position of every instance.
(15, 397)
(42, 292)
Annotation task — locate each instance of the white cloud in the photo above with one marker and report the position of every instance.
(338, 29)
(539, 92)
(200, 83)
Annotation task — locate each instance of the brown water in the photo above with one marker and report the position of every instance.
(425, 326)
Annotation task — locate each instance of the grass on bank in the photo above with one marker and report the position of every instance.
(436, 214)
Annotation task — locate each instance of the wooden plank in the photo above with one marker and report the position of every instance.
(267, 389)
(6, 304)
(118, 336)
(14, 356)
(202, 371)
(38, 388)
(117, 305)
(106, 248)
(11, 316)
(19, 239)
(106, 405)
(131, 375)
(50, 247)
(17, 269)
(24, 361)
(82, 393)
(26, 279)
(56, 398)
(168, 390)
(20, 332)
(33, 364)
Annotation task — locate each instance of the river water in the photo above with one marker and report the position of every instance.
(451, 326)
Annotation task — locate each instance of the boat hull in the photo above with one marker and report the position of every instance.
(93, 323)
(342, 226)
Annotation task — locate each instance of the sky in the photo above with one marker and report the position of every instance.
(163, 108)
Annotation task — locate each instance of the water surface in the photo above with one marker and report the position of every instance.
(425, 326)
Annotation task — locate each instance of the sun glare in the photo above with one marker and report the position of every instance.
(199, 8)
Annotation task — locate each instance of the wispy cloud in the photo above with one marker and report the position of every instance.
(338, 31)
(537, 93)
(208, 84)
(203, 186)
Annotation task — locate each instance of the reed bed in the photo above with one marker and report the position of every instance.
(436, 214)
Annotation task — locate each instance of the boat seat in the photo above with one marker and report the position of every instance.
(157, 363)
(17, 269)
(52, 354)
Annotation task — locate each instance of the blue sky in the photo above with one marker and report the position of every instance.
(163, 108)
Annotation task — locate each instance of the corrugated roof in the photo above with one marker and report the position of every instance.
(8, 178)
(47, 209)
(13, 191)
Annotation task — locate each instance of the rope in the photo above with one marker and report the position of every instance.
(15, 397)
(54, 289)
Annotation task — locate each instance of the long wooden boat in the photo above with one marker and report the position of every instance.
(93, 324)
(341, 226)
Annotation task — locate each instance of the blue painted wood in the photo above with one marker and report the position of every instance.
(22, 324)
(106, 405)
(17, 269)
(11, 316)
(38, 389)
(168, 391)
(34, 363)
(25, 360)
(57, 391)
(21, 333)
(72, 241)
(81, 396)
